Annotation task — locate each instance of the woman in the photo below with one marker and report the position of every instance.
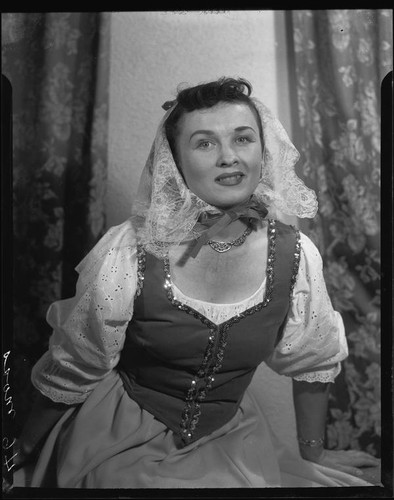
(147, 380)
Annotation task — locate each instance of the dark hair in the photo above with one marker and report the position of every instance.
(207, 95)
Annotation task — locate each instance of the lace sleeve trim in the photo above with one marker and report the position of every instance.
(47, 377)
(324, 376)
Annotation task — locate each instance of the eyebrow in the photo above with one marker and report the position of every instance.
(210, 132)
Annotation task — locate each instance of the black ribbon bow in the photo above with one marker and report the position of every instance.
(252, 209)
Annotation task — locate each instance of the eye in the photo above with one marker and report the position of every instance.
(243, 139)
(204, 144)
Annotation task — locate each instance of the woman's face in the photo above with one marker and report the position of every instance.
(219, 153)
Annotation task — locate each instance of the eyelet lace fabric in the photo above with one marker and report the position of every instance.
(165, 211)
(314, 343)
(89, 329)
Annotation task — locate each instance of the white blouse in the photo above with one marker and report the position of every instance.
(89, 328)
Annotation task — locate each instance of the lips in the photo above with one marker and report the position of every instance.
(230, 178)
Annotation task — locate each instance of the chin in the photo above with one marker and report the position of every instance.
(227, 204)
(227, 200)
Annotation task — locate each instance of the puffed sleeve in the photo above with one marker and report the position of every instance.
(89, 328)
(313, 342)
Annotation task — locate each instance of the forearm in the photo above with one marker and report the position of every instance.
(310, 403)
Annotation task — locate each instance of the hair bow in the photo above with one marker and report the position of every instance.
(168, 104)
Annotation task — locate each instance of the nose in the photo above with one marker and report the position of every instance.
(227, 157)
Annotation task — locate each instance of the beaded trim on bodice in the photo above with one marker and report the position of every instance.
(141, 265)
(217, 339)
(297, 257)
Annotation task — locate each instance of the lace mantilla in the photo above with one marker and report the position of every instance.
(166, 212)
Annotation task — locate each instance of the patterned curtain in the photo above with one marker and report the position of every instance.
(340, 60)
(57, 64)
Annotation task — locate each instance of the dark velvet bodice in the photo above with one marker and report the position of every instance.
(190, 373)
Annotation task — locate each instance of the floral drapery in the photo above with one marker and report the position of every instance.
(57, 64)
(340, 59)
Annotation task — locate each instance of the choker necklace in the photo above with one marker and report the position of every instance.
(225, 246)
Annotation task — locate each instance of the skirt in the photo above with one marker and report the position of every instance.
(111, 442)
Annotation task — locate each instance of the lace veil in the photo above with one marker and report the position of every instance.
(165, 212)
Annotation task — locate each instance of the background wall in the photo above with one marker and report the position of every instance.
(152, 52)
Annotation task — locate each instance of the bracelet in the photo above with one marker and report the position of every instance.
(312, 443)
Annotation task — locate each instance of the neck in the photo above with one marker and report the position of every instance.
(231, 232)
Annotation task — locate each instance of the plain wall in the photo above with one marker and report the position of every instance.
(152, 52)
